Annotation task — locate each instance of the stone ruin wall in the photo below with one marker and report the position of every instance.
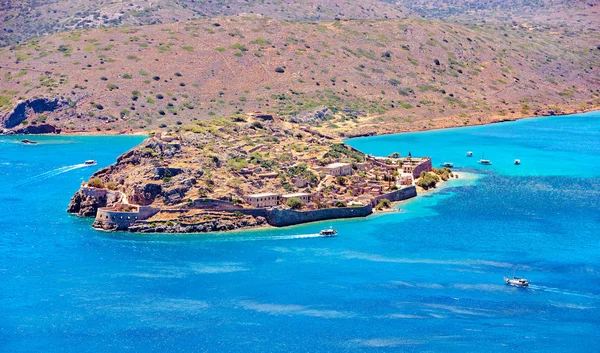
(425, 166)
(113, 219)
(397, 195)
(282, 218)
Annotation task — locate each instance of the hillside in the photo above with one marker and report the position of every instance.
(575, 13)
(347, 77)
(22, 19)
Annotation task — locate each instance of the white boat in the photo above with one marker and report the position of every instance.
(484, 161)
(516, 282)
(328, 233)
(469, 154)
(447, 165)
(90, 163)
(517, 161)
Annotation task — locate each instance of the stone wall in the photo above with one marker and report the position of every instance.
(424, 166)
(397, 195)
(116, 218)
(282, 218)
(214, 204)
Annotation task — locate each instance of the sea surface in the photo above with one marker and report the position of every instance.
(427, 278)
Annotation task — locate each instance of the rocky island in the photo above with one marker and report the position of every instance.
(247, 171)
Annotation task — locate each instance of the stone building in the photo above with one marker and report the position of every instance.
(304, 197)
(263, 200)
(336, 169)
(300, 182)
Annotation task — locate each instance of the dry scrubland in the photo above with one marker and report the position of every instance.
(384, 76)
(23, 19)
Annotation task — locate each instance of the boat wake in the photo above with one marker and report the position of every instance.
(49, 174)
(561, 291)
(271, 237)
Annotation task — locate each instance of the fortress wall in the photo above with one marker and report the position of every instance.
(425, 166)
(94, 192)
(213, 204)
(282, 218)
(254, 212)
(397, 195)
(111, 219)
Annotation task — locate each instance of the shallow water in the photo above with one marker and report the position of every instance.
(428, 278)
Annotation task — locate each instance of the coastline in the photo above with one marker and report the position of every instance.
(441, 123)
(446, 123)
(395, 207)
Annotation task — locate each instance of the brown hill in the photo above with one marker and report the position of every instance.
(349, 77)
(23, 19)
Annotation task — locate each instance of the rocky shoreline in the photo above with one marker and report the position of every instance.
(435, 124)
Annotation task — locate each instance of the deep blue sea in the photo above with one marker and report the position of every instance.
(428, 278)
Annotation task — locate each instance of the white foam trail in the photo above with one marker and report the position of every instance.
(560, 291)
(49, 174)
(272, 237)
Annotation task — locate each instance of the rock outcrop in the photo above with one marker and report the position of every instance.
(24, 109)
(86, 201)
(219, 223)
(38, 129)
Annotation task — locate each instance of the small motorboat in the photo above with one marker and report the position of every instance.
(328, 233)
(485, 162)
(469, 154)
(517, 161)
(90, 163)
(447, 165)
(516, 282)
(28, 142)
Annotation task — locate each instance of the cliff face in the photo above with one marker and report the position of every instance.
(86, 201)
(27, 108)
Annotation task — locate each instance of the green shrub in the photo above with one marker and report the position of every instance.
(96, 183)
(427, 180)
(383, 203)
(339, 204)
(294, 203)
(111, 185)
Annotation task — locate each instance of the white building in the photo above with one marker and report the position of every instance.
(263, 200)
(336, 169)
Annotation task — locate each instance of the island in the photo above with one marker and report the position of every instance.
(248, 171)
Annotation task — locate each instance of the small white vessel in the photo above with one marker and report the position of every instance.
(447, 165)
(517, 161)
(469, 154)
(517, 282)
(328, 232)
(484, 161)
(90, 163)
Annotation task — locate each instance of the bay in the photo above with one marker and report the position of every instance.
(428, 278)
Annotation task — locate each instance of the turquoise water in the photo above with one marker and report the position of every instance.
(428, 278)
